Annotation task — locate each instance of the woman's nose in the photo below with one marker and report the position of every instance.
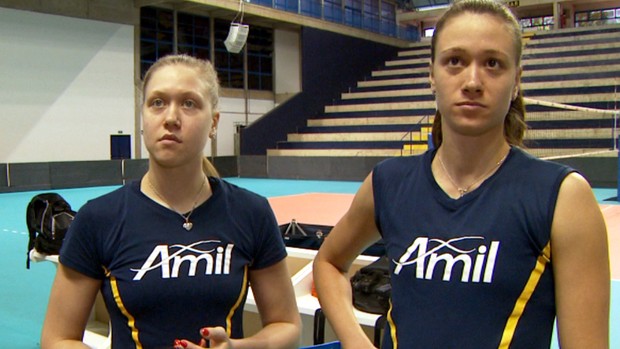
(473, 83)
(172, 119)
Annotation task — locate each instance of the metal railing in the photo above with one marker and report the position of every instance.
(408, 136)
(342, 12)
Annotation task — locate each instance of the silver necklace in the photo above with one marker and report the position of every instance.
(462, 191)
(187, 225)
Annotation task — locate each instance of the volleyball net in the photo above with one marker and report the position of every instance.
(557, 130)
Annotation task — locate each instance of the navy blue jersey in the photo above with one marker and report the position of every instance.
(473, 272)
(161, 282)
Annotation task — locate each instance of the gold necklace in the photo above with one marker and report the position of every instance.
(463, 191)
(187, 225)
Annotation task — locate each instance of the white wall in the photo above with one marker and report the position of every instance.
(287, 60)
(65, 85)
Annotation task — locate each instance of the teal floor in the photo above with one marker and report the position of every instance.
(24, 292)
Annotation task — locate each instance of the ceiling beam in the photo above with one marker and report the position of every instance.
(276, 18)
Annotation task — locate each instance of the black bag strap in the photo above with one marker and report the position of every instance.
(318, 336)
(31, 221)
(379, 326)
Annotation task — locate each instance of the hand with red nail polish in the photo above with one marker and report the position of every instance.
(212, 337)
(185, 344)
(216, 337)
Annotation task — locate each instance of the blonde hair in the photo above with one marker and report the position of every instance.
(514, 123)
(206, 73)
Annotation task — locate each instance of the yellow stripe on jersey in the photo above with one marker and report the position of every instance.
(131, 322)
(525, 296)
(392, 327)
(241, 296)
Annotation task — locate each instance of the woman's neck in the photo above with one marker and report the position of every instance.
(178, 190)
(460, 169)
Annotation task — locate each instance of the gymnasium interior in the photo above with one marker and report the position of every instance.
(319, 92)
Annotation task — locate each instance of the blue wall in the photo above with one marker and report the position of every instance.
(331, 63)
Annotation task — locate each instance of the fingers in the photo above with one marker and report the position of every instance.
(185, 344)
(216, 337)
(180, 344)
(213, 337)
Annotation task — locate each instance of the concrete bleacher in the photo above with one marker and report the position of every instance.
(579, 67)
(390, 112)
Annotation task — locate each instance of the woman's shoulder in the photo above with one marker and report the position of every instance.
(113, 200)
(529, 162)
(402, 165)
(231, 191)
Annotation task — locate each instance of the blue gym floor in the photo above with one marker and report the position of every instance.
(24, 292)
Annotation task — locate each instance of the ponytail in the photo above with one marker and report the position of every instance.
(208, 168)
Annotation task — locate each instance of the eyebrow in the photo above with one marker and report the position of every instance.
(459, 50)
(186, 94)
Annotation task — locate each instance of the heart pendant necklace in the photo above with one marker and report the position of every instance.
(187, 225)
(484, 177)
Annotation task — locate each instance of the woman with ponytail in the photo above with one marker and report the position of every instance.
(487, 244)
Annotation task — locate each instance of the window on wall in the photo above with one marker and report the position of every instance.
(194, 35)
(194, 38)
(311, 8)
(388, 18)
(286, 5)
(332, 10)
(597, 17)
(529, 24)
(156, 35)
(260, 59)
(371, 15)
(353, 13)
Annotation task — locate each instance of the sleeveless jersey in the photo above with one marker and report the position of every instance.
(161, 282)
(473, 272)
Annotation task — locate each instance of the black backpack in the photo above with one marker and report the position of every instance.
(48, 217)
(371, 287)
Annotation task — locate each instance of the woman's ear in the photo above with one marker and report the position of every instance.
(515, 92)
(215, 121)
(431, 77)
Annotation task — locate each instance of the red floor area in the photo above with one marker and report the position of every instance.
(326, 209)
(314, 208)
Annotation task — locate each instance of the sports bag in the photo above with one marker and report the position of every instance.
(303, 235)
(48, 217)
(311, 236)
(372, 288)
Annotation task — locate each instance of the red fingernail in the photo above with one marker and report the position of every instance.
(177, 342)
(184, 344)
(204, 332)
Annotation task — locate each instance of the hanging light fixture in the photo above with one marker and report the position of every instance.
(238, 32)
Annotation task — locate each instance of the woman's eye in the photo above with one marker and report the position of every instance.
(158, 103)
(453, 61)
(189, 104)
(493, 63)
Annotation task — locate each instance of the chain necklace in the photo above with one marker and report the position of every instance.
(187, 225)
(463, 191)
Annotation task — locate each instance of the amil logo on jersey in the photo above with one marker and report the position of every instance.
(169, 259)
(430, 254)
